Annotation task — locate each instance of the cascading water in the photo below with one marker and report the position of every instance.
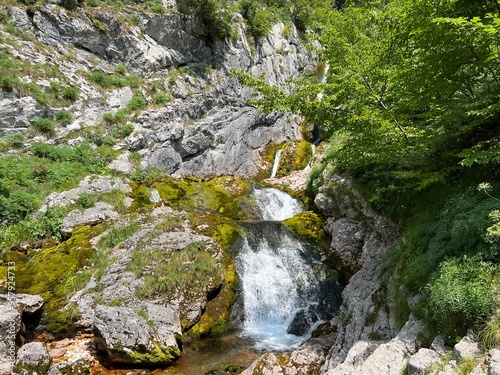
(286, 291)
(276, 163)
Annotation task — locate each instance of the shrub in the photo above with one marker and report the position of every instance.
(44, 125)
(64, 117)
(124, 130)
(70, 93)
(121, 69)
(85, 200)
(161, 98)
(137, 102)
(461, 293)
(14, 140)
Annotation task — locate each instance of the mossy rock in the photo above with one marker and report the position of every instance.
(220, 195)
(160, 356)
(46, 271)
(294, 156)
(215, 319)
(308, 225)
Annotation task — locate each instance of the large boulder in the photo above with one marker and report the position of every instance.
(33, 359)
(94, 215)
(421, 361)
(147, 339)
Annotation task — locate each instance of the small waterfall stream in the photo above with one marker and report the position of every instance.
(276, 163)
(286, 291)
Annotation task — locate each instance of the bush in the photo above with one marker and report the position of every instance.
(124, 131)
(137, 102)
(461, 293)
(14, 140)
(121, 69)
(70, 93)
(64, 117)
(161, 98)
(44, 125)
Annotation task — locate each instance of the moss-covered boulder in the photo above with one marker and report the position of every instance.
(294, 156)
(144, 337)
(308, 225)
(32, 358)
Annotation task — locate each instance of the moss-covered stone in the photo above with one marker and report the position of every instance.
(45, 272)
(308, 225)
(159, 355)
(294, 156)
(215, 319)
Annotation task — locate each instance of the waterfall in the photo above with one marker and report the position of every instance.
(275, 204)
(313, 150)
(286, 291)
(276, 163)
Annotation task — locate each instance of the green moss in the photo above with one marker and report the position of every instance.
(46, 272)
(295, 156)
(160, 355)
(308, 225)
(215, 319)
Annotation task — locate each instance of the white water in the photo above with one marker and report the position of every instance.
(276, 274)
(277, 282)
(276, 163)
(313, 150)
(276, 205)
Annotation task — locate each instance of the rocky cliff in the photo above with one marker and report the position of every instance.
(158, 73)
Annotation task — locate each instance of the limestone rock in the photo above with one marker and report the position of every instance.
(128, 338)
(16, 114)
(91, 216)
(80, 366)
(27, 304)
(421, 361)
(10, 325)
(33, 359)
(493, 361)
(468, 347)
(89, 185)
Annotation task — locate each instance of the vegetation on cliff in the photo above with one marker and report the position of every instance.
(407, 94)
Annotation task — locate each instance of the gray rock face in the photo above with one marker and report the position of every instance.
(421, 361)
(94, 215)
(33, 359)
(128, 338)
(10, 325)
(16, 114)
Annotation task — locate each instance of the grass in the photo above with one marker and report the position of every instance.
(192, 268)
(117, 235)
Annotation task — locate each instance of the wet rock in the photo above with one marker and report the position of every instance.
(33, 359)
(468, 347)
(300, 324)
(101, 212)
(421, 361)
(128, 338)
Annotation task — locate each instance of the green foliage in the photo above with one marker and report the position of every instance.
(64, 117)
(121, 69)
(70, 93)
(462, 293)
(137, 102)
(188, 269)
(308, 225)
(99, 25)
(13, 140)
(161, 98)
(44, 125)
(117, 235)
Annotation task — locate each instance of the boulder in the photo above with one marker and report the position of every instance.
(127, 337)
(468, 347)
(493, 362)
(32, 359)
(420, 361)
(79, 366)
(91, 216)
